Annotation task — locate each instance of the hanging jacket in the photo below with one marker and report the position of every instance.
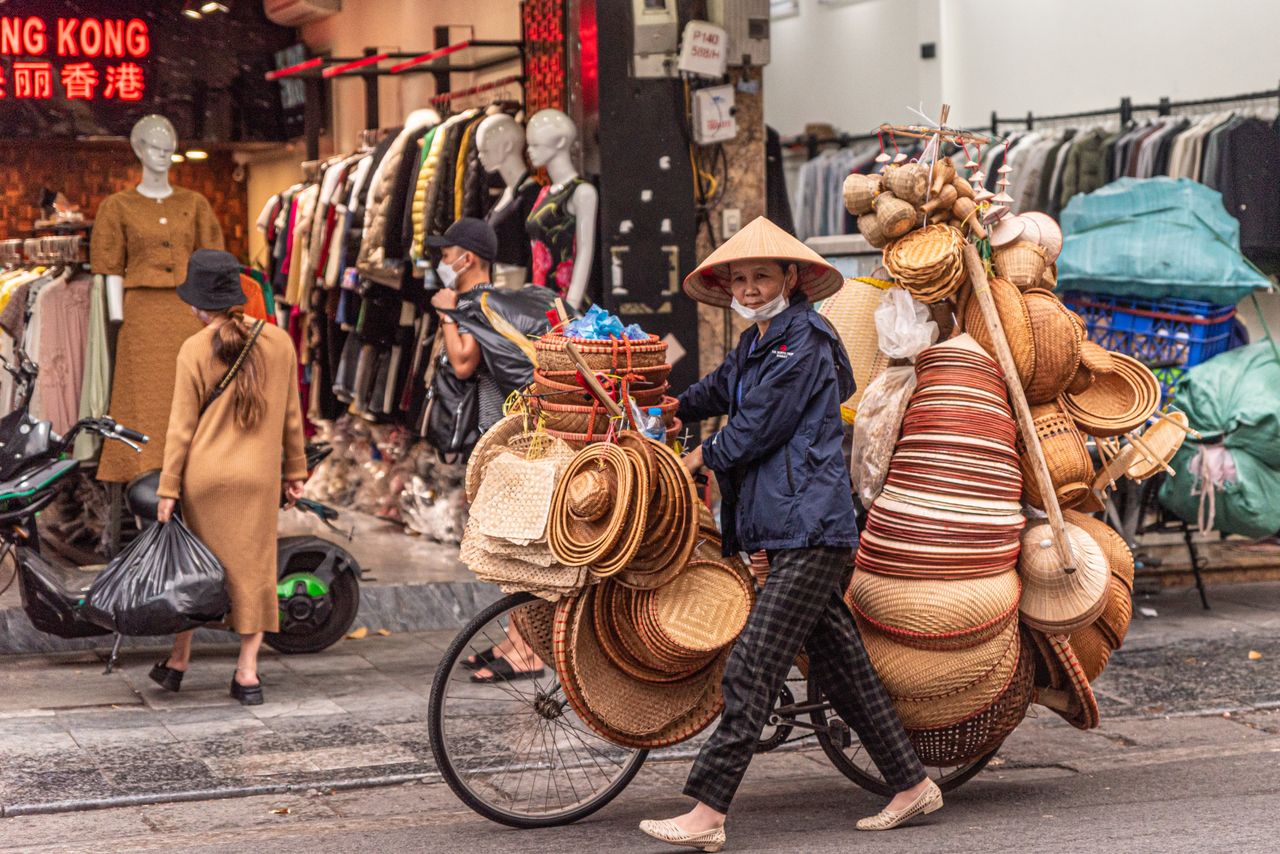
(779, 460)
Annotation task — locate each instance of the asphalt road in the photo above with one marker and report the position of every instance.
(1191, 784)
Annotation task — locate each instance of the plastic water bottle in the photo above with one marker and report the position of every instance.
(653, 426)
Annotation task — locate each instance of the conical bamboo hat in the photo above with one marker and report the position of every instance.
(709, 283)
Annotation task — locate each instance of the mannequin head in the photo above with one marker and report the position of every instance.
(154, 141)
(550, 133)
(499, 139)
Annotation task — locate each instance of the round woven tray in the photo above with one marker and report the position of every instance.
(583, 440)
(936, 615)
(618, 633)
(651, 375)
(1118, 401)
(703, 608)
(626, 546)
(672, 528)
(614, 355)
(584, 670)
(928, 262)
(1093, 650)
(984, 731)
(581, 413)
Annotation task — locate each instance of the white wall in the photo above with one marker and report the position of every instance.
(858, 65)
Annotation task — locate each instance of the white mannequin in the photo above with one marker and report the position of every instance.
(551, 135)
(500, 143)
(154, 141)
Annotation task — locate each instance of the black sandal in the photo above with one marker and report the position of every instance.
(248, 695)
(481, 659)
(500, 670)
(166, 677)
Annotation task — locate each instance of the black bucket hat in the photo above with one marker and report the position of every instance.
(213, 281)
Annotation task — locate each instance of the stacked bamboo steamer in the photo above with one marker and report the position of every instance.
(935, 590)
(570, 412)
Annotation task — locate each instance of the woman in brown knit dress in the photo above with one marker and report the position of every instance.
(225, 464)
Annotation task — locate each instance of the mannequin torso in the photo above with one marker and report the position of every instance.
(569, 205)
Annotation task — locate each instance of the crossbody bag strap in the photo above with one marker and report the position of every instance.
(230, 375)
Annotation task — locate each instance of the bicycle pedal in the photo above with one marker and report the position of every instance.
(840, 734)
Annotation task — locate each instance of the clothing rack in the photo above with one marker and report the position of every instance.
(446, 59)
(448, 97)
(1126, 109)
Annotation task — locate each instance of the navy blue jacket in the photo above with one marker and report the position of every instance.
(779, 463)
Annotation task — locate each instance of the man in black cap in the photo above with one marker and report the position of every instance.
(467, 250)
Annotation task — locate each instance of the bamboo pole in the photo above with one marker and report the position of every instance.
(1039, 468)
(590, 376)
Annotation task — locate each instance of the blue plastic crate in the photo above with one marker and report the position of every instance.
(1168, 335)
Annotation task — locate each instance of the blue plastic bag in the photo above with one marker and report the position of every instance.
(599, 325)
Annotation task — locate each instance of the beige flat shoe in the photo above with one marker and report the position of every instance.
(930, 800)
(667, 830)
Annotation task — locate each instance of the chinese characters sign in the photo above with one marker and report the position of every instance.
(73, 58)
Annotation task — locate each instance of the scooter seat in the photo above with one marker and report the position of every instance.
(141, 495)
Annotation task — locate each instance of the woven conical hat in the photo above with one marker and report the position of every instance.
(709, 283)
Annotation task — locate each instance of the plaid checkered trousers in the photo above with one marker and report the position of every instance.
(800, 607)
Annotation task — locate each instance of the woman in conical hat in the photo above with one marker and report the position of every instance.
(785, 490)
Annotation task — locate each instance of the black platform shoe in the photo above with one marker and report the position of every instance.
(166, 677)
(248, 695)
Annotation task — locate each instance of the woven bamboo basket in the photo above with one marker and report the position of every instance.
(1016, 322)
(1022, 262)
(894, 216)
(1096, 358)
(578, 441)
(533, 622)
(936, 615)
(909, 182)
(1065, 451)
(859, 192)
(645, 393)
(1118, 401)
(1093, 650)
(652, 375)
(869, 227)
(1057, 343)
(1081, 381)
(1058, 661)
(588, 418)
(985, 730)
(614, 355)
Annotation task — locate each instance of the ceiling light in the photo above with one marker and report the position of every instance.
(211, 6)
(197, 154)
(177, 158)
(191, 10)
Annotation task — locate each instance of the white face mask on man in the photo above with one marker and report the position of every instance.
(768, 311)
(447, 275)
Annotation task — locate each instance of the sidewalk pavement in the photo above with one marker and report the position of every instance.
(72, 738)
(409, 584)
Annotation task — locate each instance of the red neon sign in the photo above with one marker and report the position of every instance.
(28, 38)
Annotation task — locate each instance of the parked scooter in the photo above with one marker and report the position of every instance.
(318, 581)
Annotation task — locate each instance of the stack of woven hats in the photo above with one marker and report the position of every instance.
(935, 590)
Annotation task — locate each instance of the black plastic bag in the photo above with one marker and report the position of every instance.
(166, 581)
(526, 310)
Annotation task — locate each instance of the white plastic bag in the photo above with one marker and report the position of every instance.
(903, 325)
(876, 428)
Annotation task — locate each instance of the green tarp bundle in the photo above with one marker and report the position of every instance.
(1154, 238)
(1234, 400)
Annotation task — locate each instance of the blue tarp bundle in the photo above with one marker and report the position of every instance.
(1155, 238)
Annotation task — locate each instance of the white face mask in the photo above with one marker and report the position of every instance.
(768, 311)
(447, 275)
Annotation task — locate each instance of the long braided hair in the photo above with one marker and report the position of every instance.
(247, 395)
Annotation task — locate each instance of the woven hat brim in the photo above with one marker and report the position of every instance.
(761, 239)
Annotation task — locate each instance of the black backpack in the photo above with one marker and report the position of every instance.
(453, 413)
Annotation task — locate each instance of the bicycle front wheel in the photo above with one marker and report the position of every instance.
(513, 749)
(850, 757)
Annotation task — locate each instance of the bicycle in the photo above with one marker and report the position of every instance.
(515, 752)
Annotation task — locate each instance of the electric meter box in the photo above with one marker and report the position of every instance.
(713, 119)
(747, 22)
